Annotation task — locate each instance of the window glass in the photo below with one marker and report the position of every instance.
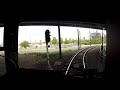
(1, 36)
(32, 47)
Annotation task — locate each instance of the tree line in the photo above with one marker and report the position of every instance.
(55, 41)
(75, 41)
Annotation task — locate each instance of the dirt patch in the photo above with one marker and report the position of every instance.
(2, 66)
(65, 58)
(35, 62)
(38, 62)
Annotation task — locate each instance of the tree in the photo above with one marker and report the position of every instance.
(54, 41)
(95, 41)
(85, 42)
(66, 41)
(70, 41)
(73, 41)
(24, 44)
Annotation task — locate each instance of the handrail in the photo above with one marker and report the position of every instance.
(101, 51)
(15, 64)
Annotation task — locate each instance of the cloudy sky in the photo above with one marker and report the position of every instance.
(37, 33)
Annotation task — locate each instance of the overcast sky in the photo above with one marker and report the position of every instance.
(37, 33)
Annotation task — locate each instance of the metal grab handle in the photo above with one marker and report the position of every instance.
(15, 64)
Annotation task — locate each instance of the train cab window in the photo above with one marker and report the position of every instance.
(85, 49)
(2, 59)
(65, 48)
(1, 36)
(32, 50)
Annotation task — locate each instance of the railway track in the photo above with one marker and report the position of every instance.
(78, 65)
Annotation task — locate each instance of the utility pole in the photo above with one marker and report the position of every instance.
(90, 37)
(78, 39)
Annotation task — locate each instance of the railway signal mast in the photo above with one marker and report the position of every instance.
(79, 39)
(47, 39)
(90, 37)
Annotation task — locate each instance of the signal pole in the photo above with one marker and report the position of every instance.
(47, 38)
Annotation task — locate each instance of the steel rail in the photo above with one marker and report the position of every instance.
(73, 60)
(84, 55)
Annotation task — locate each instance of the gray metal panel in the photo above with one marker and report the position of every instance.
(65, 23)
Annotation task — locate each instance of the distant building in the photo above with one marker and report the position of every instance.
(95, 35)
(38, 44)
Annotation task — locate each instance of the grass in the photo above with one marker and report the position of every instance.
(52, 55)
